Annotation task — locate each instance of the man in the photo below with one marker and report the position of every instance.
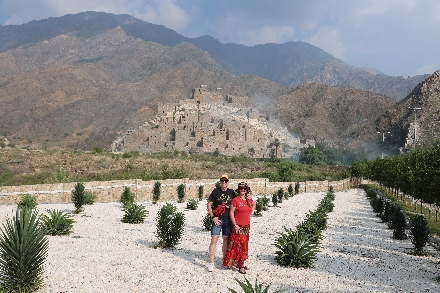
(219, 196)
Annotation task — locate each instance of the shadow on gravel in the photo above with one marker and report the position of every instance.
(194, 257)
(360, 252)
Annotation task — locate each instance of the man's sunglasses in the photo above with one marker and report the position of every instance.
(223, 180)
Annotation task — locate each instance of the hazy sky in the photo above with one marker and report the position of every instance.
(398, 37)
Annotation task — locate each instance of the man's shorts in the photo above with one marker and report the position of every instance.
(225, 227)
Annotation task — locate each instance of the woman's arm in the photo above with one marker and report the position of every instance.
(232, 216)
(254, 204)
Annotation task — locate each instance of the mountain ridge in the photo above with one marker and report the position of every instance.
(82, 88)
(290, 58)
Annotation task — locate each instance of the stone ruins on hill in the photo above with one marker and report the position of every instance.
(211, 122)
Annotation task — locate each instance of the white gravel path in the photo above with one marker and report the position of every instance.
(358, 253)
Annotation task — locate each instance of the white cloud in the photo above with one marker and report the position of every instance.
(426, 69)
(165, 12)
(266, 34)
(329, 39)
(15, 19)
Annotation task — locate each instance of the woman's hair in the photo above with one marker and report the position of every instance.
(244, 184)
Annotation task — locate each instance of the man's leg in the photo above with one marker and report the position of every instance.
(225, 245)
(212, 248)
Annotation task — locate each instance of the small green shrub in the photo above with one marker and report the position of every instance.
(180, 192)
(89, 197)
(265, 201)
(78, 197)
(57, 223)
(207, 222)
(134, 214)
(27, 201)
(280, 194)
(200, 192)
(97, 150)
(399, 225)
(310, 228)
(156, 192)
(257, 288)
(286, 195)
(419, 233)
(23, 252)
(259, 205)
(290, 190)
(296, 187)
(385, 216)
(127, 155)
(296, 249)
(127, 197)
(378, 204)
(169, 227)
(192, 204)
(275, 199)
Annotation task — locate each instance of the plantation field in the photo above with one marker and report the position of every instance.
(357, 253)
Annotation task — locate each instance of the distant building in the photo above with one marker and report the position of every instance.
(209, 122)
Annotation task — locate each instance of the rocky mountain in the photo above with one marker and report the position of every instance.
(339, 116)
(79, 81)
(73, 92)
(290, 64)
(416, 116)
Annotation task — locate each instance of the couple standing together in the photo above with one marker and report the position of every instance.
(231, 215)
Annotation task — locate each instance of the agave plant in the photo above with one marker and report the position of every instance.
(89, 198)
(23, 251)
(57, 222)
(27, 201)
(247, 287)
(296, 249)
(134, 214)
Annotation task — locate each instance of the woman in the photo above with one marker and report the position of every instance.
(240, 214)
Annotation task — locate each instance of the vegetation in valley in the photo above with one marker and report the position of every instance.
(23, 167)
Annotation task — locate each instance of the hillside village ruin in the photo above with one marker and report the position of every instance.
(211, 122)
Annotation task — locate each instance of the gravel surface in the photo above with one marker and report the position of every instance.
(357, 254)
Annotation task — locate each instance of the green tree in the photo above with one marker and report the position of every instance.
(156, 192)
(180, 192)
(312, 156)
(78, 194)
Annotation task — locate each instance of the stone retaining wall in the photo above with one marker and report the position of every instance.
(106, 191)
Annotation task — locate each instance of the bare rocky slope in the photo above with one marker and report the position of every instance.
(332, 114)
(79, 81)
(400, 119)
(290, 64)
